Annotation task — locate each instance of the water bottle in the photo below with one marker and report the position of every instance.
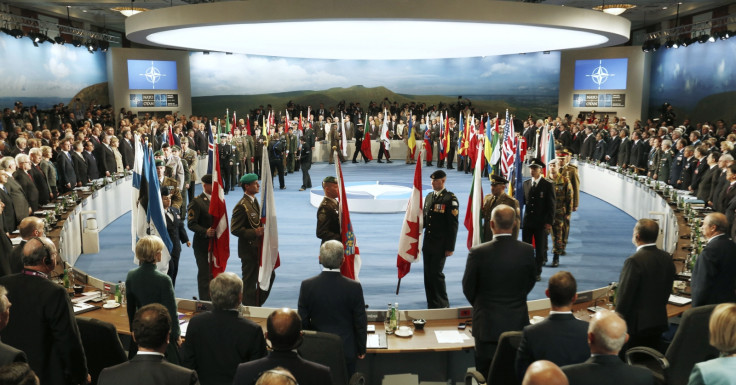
(387, 320)
(118, 293)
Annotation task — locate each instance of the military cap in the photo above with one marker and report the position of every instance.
(165, 190)
(536, 162)
(248, 178)
(329, 179)
(176, 148)
(498, 179)
(158, 153)
(207, 179)
(439, 174)
(160, 163)
(165, 145)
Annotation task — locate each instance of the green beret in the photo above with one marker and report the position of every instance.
(160, 163)
(207, 179)
(248, 178)
(158, 153)
(176, 148)
(329, 179)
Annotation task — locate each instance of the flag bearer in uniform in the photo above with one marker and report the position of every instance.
(563, 210)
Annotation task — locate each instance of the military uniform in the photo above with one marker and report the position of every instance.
(571, 172)
(328, 221)
(563, 210)
(489, 203)
(239, 151)
(226, 165)
(665, 163)
(176, 199)
(440, 232)
(276, 149)
(245, 220)
(258, 158)
(335, 139)
(191, 157)
(198, 221)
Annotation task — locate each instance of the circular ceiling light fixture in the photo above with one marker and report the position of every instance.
(129, 11)
(376, 30)
(614, 9)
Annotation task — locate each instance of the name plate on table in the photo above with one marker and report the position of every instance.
(107, 187)
(95, 194)
(638, 184)
(76, 210)
(652, 193)
(84, 203)
(129, 177)
(621, 176)
(119, 181)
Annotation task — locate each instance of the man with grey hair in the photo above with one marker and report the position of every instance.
(332, 303)
(606, 337)
(20, 205)
(24, 179)
(43, 323)
(29, 227)
(8, 354)
(715, 268)
(544, 372)
(218, 341)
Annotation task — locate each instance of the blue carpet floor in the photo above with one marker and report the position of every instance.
(599, 242)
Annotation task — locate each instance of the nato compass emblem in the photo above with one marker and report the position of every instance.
(600, 74)
(153, 75)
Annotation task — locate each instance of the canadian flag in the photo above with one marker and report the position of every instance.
(411, 231)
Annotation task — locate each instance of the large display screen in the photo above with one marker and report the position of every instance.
(601, 74)
(152, 75)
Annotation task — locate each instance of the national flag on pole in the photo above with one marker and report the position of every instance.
(155, 223)
(448, 137)
(428, 140)
(219, 247)
(138, 212)
(442, 142)
(410, 239)
(475, 204)
(497, 140)
(384, 132)
(411, 141)
(235, 124)
(170, 134)
(351, 265)
(507, 152)
(210, 148)
(518, 180)
(366, 144)
(247, 125)
(269, 247)
(461, 136)
(550, 154)
(343, 138)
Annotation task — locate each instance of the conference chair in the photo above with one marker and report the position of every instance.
(326, 349)
(102, 346)
(689, 346)
(502, 367)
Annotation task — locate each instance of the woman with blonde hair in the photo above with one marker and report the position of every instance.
(146, 285)
(722, 370)
(114, 144)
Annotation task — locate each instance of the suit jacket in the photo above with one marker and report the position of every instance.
(43, 326)
(127, 150)
(305, 372)
(644, 288)
(145, 285)
(714, 275)
(612, 150)
(540, 204)
(42, 184)
(676, 166)
(15, 261)
(638, 157)
(586, 151)
(498, 276)
(175, 228)
(8, 215)
(6, 249)
(328, 221)
(66, 170)
(106, 160)
(80, 167)
(147, 369)
(577, 142)
(718, 188)
(18, 197)
(607, 370)
(560, 338)
(217, 342)
(716, 371)
(624, 152)
(29, 188)
(706, 184)
(332, 303)
(9, 354)
(93, 171)
(687, 173)
(701, 168)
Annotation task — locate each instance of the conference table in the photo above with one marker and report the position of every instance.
(442, 350)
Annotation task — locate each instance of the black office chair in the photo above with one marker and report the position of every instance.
(689, 346)
(102, 345)
(502, 367)
(326, 349)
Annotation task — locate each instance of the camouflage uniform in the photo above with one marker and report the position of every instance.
(571, 172)
(563, 208)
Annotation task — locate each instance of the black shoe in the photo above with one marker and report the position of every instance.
(451, 168)
(388, 161)
(555, 263)
(539, 278)
(379, 161)
(302, 189)
(563, 252)
(282, 188)
(367, 161)
(429, 164)
(354, 161)
(544, 263)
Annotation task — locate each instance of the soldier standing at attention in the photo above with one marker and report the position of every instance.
(440, 232)
(246, 225)
(497, 197)
(563, 210)
(571, 172)
(328, 219)
(239, 149)
(226, 162)
(199, 221)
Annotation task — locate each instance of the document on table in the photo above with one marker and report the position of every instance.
(376, 341)
(450, 336)
(678, 300)
(83, 307)
(183, 325)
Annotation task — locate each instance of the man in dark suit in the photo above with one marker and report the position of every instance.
(39, 177)
(8, 354)
(606, 336)
(624, 149)
(177, 233)
(151, 327)
(199, 221)
(6, 246)
(332, 303)
(43, 323)
(706, 180)
(539, 213)
(93, 171)
(637, 159)
(601, 148)
(21, 207)
(80, 163)
(714, 275)
(560, 338)
(700, 168)
(284, 330)
(441, 210)
(218, 341)
(8, 212)
(586, 150)
(688, 168)
(498, 276)
(127, 149)
(24, 179)
(65, 167)
(29, 228)
(612, 148)
(106, 157)
(644, 287)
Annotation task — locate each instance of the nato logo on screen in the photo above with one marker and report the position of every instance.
(152, 75)
(601, 74)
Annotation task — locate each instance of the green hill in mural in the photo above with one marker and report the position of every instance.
(96, 94)
(713, 107)
(216, 105)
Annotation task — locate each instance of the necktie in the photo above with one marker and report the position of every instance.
(534, 184)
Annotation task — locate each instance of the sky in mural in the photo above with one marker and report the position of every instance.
(220, 74)
(47, 71)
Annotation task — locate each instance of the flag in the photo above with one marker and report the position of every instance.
(448, 137)
(475, 204)
(155, 223)
(384, 132)
(138, 212)
(488, 148)
(247, 125)
(210, 149)
(269, 247)
(550, 155)
(235, 124)
(170, 134)
(496, 153)
(366, 145)
(442, 142)
(507, 152)
(428, 140)
(518, 180)
(227, 123)
(219, 247)
(460, 136)
(351, 265)
(411, 141)
(343, 139)
(410, 239)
